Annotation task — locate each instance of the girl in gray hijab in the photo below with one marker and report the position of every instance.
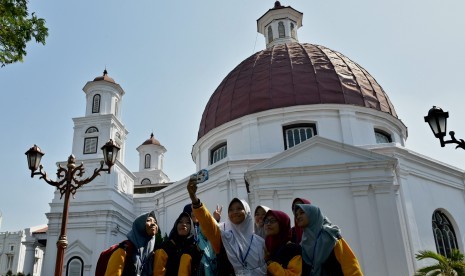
(324, 251)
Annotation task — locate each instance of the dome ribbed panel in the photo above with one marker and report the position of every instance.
(289, 75)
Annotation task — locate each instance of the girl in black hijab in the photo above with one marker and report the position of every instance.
(179, 255)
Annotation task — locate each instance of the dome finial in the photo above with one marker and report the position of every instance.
(151, 135)
(105, 71)
(277, 4)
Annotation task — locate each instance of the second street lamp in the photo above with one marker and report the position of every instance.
(68, 181)
(437, 120)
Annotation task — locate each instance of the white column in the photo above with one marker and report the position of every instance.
(29, 256)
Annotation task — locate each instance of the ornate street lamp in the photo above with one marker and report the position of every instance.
(68, 181)
(437, 120)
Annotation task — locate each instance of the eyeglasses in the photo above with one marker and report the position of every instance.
(269, 221)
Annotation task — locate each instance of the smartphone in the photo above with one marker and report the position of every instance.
(200, 176)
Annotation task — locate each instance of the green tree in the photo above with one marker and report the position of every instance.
(444, 266)
(16, 29)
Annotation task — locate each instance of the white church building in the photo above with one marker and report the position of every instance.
(292, 120)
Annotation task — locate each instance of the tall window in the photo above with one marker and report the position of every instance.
(382, 137)
(9, 261)
(292, 30)
(270, 34)
(281, 32)
(74, 267)
(90, 145)
(116, 107)
(218, 153)
(296, 134)
(444, 234)
(96, 103)
(36, 265)
(147, 161)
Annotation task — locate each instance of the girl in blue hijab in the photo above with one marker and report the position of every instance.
(324, 251)
(136, 259)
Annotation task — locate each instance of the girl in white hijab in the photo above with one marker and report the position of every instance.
(259, 215)
(239, 251)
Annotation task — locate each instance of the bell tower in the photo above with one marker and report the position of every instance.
(102, 211)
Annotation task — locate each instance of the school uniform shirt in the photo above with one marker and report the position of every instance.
(244, 250)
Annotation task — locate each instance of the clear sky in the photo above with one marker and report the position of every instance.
(169, 56)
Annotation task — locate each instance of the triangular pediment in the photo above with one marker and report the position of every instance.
(79, 246)
(319, 151)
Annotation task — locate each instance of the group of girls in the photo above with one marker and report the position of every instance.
(267, 245)
(199, 244)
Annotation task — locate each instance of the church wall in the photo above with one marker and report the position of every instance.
(363, 199)
(262, 133)
(431, 189)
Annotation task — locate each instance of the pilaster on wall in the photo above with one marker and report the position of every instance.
(272, 198)
(29, 258)
(383, 243)
(347, 121)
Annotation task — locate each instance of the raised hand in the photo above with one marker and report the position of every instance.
(217, 212)
(192, 189)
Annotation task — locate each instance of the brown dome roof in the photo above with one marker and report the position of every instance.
(289, 75)
(151, 141)
(105, 77)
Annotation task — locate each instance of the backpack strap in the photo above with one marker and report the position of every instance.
(127, 246)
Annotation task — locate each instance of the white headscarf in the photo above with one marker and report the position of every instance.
(260, 230)
(245, 250)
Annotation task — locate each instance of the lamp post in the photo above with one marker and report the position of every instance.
(69, 180)
(437, 120)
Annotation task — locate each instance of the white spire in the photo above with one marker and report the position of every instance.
(279, 25)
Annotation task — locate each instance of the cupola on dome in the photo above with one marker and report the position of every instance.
(289, 73)
(151, 141)
(105, 77)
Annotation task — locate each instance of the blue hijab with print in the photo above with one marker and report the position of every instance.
(143, 243)
(318, 239)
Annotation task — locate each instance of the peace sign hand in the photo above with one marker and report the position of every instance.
(217, 212)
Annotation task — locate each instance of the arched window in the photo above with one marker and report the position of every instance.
(270, 34)
(444, 234)
(75, 267)
(96, 103)
(382, 137)
(292, 30)
(92, 130)
(147, 161)
(281, 32)
(145, 181)
(296, 134)
(91, 141)
(219, 152)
